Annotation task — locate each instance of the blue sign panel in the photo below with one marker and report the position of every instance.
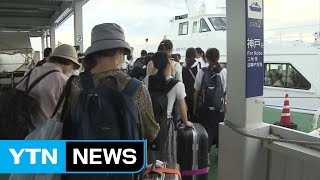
(254, 50)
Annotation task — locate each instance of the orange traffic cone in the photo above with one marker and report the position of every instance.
(285, 117)
(285, 120)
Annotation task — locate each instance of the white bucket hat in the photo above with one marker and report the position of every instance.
(67, 52)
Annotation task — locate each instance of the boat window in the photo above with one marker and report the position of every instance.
(282, 75)
(195, 27)
(183, 28)
(285, 76)
(204, 26)
(224, 19)
(218, 23)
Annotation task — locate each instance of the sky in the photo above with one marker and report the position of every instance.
(143, 19)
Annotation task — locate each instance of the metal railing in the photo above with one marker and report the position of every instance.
(287, 161)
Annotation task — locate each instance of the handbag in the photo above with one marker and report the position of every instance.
(51, 130)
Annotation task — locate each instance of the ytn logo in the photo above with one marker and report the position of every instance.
(32, 152)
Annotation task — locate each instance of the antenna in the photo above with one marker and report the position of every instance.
(221, 4)
(196, 7)
(201, 7)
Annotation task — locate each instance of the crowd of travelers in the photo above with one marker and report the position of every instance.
(163, 94)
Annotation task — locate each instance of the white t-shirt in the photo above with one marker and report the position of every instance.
(125, 64)
(177, 70)
(198, 82)
(193, 65)
(178, 92)
(203, 64)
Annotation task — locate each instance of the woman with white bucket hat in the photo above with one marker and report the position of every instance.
(62, 62)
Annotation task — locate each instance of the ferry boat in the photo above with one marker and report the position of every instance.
(290, 68)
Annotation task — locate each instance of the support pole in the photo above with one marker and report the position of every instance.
(42, 43)
(46, 37)
(240, 157)
(78, 24)
(53, 36)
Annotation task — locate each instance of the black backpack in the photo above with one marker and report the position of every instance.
(139, 62)
(160, 103)
(103, 113)
(138, 73)
(213, 94)
(106, 112)
(17, 107)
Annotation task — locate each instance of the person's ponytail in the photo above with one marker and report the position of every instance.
(165, 45)
(160, 62)
(160, 76)
(213, 56)
(189, 62)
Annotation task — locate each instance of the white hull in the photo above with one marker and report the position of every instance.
(305, 60)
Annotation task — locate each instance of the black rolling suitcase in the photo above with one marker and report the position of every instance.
(168, 172)
(192, 151)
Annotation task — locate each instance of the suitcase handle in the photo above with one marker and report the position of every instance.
(182, 126)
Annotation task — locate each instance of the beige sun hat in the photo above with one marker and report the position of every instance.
(66, 51)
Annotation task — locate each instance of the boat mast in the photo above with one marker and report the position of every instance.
(196, 7)
(221, 4)
(201, 7)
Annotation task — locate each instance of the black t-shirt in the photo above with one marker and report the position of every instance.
(40, 63)
(138, 73)
(189, 79)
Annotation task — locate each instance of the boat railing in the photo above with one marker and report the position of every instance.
(292, 160)
(298, 34)
(280, 154)
(314, 124)
(10, 79)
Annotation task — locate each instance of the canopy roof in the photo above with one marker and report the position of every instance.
(33, 16)
(12, 42)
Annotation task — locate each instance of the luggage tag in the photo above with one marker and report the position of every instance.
(158, 164)
(153, 166)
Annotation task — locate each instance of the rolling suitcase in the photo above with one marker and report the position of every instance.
(192, 152)
(167, 172)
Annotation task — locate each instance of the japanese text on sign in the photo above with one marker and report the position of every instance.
(254, 48)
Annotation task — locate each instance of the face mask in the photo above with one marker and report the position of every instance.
(74, 72)
(120, 64)
(69, 70)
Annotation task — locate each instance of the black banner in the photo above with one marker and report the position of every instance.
(117, 157)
